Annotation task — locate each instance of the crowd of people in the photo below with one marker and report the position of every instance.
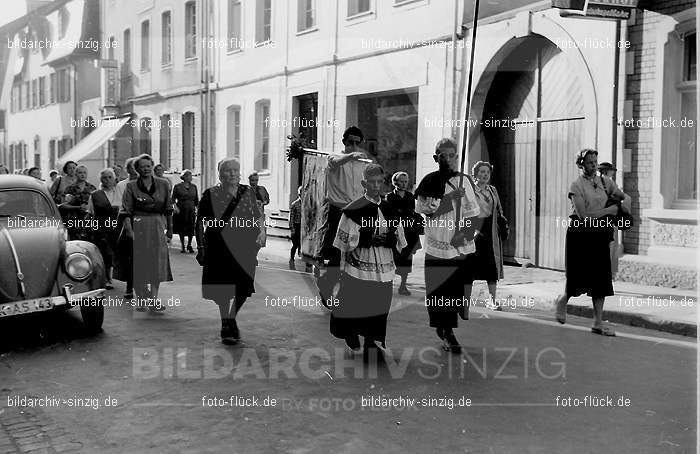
(369, 237)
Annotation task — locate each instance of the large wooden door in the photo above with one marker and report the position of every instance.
(532, 126)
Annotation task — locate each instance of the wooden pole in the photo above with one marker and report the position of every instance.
(468, 98)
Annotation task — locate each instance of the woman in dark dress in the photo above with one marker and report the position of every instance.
(588, 238)
(148, 221)
(487, 261)
(104, 206)
(75, 206)
(230, 229)
(185, 200)
(404, 204)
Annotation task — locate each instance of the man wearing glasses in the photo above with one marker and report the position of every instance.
(343, 185)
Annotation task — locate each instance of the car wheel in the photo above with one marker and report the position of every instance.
(93, 316)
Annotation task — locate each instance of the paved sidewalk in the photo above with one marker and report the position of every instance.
(525, 289)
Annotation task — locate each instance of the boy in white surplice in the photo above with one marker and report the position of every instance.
(367, 233)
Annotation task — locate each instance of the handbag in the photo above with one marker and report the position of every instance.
(623, 219)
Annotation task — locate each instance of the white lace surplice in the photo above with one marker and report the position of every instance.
(438, 233)
(369, 264)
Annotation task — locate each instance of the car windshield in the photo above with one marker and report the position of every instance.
(23, 202)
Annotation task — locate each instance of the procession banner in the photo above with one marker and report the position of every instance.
(314, 207)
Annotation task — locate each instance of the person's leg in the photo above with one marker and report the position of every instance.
(492, 292)
(182, 242)
(561, 308)
(598, 312)
(189, 244)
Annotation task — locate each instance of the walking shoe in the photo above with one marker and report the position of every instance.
(353, 342)
(372, 352)
(291, 265)
(404, 291)
(450, 342)
(560, 312)
(229, 332)
(189, 249)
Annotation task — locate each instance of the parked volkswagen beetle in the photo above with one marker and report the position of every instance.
(40, 270)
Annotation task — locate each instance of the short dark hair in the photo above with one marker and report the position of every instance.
(353, 131)
(141, 157)
(475, 168)
(32, 169)
(65, 166)
(446, 142)
(582, 155)
(372, 170)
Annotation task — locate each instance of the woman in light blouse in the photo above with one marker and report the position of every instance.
(587, 240)
(488, 258)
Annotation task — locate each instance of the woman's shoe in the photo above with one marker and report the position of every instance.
(189, 249)
(603, 331)
(404, 291)
(291, 264)
(108, 285)
(372, 352)
(450, 342)
(182, 250)
(560, 313)
(229, 332)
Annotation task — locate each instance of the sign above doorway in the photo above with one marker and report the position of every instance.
(607, 9)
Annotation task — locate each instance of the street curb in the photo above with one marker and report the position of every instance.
(640, 320)
(546, 302)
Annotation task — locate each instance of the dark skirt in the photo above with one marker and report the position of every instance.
(328, 251)
(445, 280)
(363, 309)
(106, 241)
(588, 261)
(484, 260)
(229, 266)
(183, 222)
(296, 236)
(404, 259)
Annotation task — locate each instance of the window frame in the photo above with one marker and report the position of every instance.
(166, 47)
(301, 16)
(358, 14)
(145, 45)
(165, 138)
(260, 26)
(191, 30)
(261, 157)
(229, 33)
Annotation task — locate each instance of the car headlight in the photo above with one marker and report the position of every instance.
(78, 266)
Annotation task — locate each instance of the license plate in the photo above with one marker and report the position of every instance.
(25, 307)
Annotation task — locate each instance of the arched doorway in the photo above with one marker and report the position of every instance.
(533, 123)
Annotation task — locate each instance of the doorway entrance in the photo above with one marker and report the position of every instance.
(532, 127)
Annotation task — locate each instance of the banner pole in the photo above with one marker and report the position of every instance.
(468, 98)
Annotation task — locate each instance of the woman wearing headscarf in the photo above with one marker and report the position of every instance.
(230, 229)
(488, 258)
(104, 207)
(185, 200)
(148, 221)
(75, 205)
(587, 240)
(404, 204)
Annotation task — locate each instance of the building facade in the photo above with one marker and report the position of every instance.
(545, 85)
(52, 49)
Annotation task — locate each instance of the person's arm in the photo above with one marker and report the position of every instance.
(203, 210)
(580, 207)
(128, 210)
(348, 235)
(337, 160)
